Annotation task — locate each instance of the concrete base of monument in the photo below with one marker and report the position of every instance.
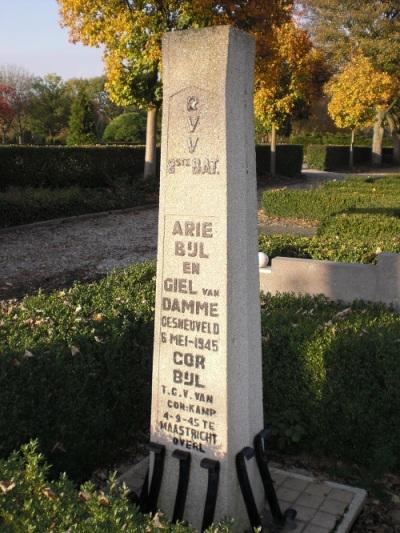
(321, 506)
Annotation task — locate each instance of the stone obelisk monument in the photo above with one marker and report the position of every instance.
(207, 384)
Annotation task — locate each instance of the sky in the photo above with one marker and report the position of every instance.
(31, 38)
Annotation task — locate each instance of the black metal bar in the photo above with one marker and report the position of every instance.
(244, 455)
(183, 482)
(260, 445)
(150, 503)
(144, 493)
(213, 468)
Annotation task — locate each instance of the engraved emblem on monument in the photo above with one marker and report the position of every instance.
(191, 121)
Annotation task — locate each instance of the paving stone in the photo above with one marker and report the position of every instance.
(287, 495)
(318, 489)
(304, 513)
(295, 484)
(326, 520)
(316, 529)
(310, 500)
(334, 507)
(341, 495)
(278, 478)
(299, 527)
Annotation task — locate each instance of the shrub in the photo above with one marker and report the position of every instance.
(31, 502)
(289, 159)
(75, 373)
(128, 127)
(331, 248)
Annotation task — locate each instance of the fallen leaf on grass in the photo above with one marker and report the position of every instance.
(50, 494)
(102, 499)
(75, 350)
(84, 496)
(6, 486)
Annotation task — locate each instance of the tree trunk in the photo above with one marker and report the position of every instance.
(377, 140)
(150, 159)
(394, 127)
(396, 147)
(273, 151)
(351, 156)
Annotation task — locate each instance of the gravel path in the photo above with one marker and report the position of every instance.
(56, 253)
(53, 254)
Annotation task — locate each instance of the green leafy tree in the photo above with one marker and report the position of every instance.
(106, 110)
(50, 107)
(128, 127)
(82, 122)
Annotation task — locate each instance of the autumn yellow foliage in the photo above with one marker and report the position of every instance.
(285, 75)
(131, 32)
(358, 93)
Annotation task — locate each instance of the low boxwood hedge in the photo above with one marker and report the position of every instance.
(24, 205)
(358, 218)
(75, 373)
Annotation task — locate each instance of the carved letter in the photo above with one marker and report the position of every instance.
(192, 103)
(192, 123)
(192, 144)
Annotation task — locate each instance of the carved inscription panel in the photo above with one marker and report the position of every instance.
(192, 138)
(191, 336)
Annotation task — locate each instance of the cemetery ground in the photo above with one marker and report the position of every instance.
(331, 373)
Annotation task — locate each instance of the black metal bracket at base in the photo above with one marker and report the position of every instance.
(260, 447)
(251, 507)
(149, 496)
(183, 482)
(260, 444)
(213, 468)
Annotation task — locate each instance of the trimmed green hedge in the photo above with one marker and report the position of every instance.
(75, 372)
(100, 166)
(289, 159)
(54, 166)
(24, 205)
(325, 157)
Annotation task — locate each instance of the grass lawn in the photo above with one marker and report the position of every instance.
(357, 219)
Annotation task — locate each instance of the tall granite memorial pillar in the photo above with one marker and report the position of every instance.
(207, 384)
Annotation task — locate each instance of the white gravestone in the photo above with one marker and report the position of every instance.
(207, 382)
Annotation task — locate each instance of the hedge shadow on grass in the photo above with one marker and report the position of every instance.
(83, 406)
(332, 379)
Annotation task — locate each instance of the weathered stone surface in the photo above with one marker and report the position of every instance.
(207, 390)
